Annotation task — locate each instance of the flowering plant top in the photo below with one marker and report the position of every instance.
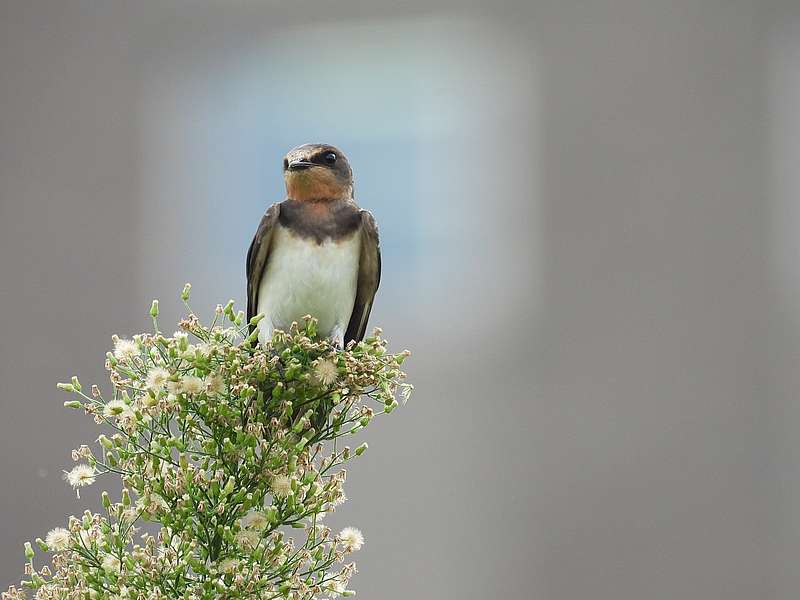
(232, 448)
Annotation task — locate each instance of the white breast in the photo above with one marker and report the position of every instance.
(302, 277)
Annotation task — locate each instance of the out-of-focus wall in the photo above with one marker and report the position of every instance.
(783, 356)
(586, 214)
(70, 182)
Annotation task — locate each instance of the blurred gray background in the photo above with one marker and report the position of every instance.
(589, 216)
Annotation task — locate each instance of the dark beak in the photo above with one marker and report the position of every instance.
(300, 165)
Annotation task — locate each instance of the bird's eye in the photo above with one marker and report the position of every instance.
(329, 158)
(285, 163)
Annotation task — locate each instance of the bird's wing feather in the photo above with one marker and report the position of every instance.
(257, 257)
(369, 276)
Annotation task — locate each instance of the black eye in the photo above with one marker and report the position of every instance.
(329, 158)
(285, 163)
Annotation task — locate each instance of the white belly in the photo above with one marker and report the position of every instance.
(305, 278)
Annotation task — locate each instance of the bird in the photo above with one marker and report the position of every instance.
(315, 253)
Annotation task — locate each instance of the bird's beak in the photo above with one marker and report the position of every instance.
(300, 165)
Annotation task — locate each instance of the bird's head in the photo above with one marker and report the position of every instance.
(317, 172)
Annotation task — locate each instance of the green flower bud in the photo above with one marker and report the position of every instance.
(154, 309)
(126, 497)
(256, 319)
(105, 442)
(106, 499)
(67, 387)
(304, 440)
(72, 404)
(252, 338)
(311, 328)
(76, 384)
(28, 551)
(185, 293)
(271, 512)
(292, 371)
(361, 449)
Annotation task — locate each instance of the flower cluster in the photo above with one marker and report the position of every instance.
(229, 448)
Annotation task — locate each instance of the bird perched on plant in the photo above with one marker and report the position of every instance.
(316, 252)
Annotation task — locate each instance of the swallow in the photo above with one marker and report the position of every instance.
(316, 252)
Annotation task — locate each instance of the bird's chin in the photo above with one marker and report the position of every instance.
(314, 184)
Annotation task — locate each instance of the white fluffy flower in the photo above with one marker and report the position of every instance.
(281, 486)
(215, 384)
(204, 349)
(191, 384)
(157, 378)
(111, 563)
(247, 538)
(129, 516)
(337, 587)
(116, 408)
(57, 539)
(326, 372)
(88, 537)
(255, 520)
(125, 349)
(80, 476)
(406, 389)
(229, 565)
(351, 538)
